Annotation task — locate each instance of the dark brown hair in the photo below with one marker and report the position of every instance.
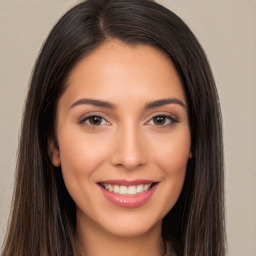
(43, 218)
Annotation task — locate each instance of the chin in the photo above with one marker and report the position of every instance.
(135, 230)
(132, 224)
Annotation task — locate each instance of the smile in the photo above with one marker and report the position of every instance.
(127, 190)
(128, 194)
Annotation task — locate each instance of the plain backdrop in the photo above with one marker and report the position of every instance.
(227, 31)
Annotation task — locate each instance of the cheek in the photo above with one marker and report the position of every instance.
(174, 153)
(79, 157)
(172, 160)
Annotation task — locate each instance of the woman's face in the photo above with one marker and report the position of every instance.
(123, 137)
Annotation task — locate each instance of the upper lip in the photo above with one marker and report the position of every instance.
(127, 182)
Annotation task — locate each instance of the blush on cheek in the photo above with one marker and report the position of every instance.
(174, 161)
(81, 158)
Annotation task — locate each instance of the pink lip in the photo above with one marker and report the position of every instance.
(126, 201)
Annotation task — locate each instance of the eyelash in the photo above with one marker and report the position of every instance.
(167, 118)
(86, 120)
(170, 119)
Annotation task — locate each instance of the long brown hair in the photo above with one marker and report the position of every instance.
(43, 216)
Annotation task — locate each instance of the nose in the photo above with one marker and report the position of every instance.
(129, 149)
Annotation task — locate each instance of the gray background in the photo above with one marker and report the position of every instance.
(227, 31)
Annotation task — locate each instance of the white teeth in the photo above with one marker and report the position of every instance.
(139, 189)
(146, 187)
(131, 190)
(110, 188)
(127, 190)
(116, 189)
(123, 190)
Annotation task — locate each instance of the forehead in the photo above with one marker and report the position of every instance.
(118, 69)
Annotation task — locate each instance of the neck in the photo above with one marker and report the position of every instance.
(96, 241)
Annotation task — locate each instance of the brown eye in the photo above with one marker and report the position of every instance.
(94, 121)
(159, 120)
(162, 120)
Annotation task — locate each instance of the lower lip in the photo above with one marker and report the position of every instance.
(129, 201)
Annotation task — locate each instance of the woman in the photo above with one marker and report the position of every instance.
(121, 144)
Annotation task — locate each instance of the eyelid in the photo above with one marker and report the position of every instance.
(163, 113)
(86, 116)
(172, 117)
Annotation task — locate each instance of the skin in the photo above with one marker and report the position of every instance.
(127, 143)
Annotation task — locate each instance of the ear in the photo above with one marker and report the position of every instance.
(190, 154)
(53, 151)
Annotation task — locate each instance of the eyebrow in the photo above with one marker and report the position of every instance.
(98, 103)
(162, 102)
(106, 104)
